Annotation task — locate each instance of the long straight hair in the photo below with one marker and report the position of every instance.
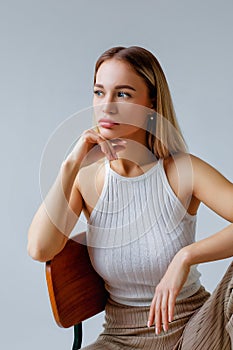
(163, 134)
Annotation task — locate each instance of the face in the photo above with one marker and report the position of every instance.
(121, 100)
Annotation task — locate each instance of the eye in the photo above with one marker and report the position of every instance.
(123, 94)
(98, 92)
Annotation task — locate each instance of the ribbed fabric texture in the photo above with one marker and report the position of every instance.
(136, 228)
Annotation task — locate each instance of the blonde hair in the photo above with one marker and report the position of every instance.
(163, 134)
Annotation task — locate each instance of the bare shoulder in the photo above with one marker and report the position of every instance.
(188, 173)
(89, 182)
(206, 174)
(186, 166)
(185, 162)
(213, 188)
(203, 168)
(178, 160)
(179, 172)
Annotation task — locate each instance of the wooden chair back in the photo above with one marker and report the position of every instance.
(75, 289)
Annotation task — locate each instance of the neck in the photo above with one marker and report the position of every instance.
(135, 157)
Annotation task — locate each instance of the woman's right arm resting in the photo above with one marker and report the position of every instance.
(56, 216)
(60, 210)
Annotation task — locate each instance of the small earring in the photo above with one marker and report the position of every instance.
(151, 117)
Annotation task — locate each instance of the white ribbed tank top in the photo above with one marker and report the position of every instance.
(134, 231)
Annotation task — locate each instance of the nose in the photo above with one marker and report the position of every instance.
(109, 105)
(109, 108)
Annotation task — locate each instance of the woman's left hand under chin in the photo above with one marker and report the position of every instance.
(163, 302)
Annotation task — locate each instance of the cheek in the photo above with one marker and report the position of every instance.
(96, 110)
(134, 115)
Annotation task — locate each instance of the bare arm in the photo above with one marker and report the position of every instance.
(215, 191)
(59, 212)
(55, 218)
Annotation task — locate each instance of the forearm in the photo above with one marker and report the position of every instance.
(56, 203)
(54, 219)
(216, 247)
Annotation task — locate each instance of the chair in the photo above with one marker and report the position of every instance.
(75, 289)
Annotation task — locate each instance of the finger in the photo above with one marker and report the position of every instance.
(118, 141)
(151, 316)
(164, 311)
(114, 140)
(117, 145)
(91, 136)
(104, 144)
(158, 314)
(171, 306)
(108, 149)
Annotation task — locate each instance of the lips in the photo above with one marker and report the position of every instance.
(107, 123)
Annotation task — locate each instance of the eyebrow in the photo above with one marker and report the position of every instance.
(117, 87)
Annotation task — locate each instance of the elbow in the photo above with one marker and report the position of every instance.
(43, 246)
(44, 251)
(38, 253)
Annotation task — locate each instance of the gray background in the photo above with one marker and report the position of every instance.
(48, 51)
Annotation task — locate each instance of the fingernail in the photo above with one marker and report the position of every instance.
(148, 324)
(156, 330)
(165, 328)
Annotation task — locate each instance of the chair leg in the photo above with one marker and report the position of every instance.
(77, 336)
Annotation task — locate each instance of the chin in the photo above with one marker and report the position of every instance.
(109, 133)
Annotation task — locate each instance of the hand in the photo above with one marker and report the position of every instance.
(92, 146)
(163, 303)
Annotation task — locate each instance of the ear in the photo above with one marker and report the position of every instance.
(153, 103)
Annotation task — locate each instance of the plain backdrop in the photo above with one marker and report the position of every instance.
(48, 51)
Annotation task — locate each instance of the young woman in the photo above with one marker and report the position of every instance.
(140, 191)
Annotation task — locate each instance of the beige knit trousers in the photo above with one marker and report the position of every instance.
(201, 322)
